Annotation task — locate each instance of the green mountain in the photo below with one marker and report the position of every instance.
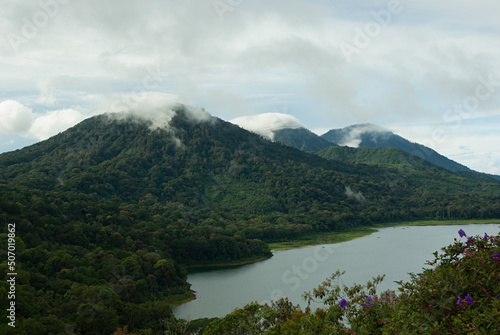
(368, 135)
(393, 158)
(374, 156)
(302, 139)
(109, 212)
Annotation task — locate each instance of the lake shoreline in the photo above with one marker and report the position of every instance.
(359, 232)
(295, 269)
(336, 237)
(181, 299)
(227, 263)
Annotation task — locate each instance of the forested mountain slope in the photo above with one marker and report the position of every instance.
(393, 158)
(301, 138)
(115, 205)
(368, 135)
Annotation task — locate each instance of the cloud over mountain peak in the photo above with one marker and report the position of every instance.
(267, 123)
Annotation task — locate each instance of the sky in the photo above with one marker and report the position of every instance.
(427, 70)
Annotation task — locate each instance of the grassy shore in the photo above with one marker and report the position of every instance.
(323, 238)
(227, 263)
(337, 237)
(180, 299)
(438, 223)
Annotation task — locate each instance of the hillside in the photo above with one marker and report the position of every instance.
(368, 135)
(302, 139)
(392, 157)
(120, 204)
(373, 156)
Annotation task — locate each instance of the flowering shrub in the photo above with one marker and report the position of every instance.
(459, 294)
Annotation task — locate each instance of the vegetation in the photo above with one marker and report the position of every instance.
(323, 238)
(459, 294)
(301, 138)
(110, 212)
(397, 158)
(370, 135)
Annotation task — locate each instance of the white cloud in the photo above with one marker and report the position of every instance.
(156, 107)
(15, 118)
(54, 122)
(352, 137)
(266, 124)
(425, 61)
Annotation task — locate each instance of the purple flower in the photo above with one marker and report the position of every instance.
(343, 303)
(461, 233)
(469, 239)
(496, 256)
(459, 302)
(370, 302)
(485, 237)
(469, 299)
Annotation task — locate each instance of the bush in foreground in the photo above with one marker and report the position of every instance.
(459, 294)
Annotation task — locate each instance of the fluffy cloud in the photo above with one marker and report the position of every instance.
(155, 107)
(352, 137)
(15, 118)
(54, 122)
(266, 124)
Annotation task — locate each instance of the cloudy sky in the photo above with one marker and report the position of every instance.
(428, 70)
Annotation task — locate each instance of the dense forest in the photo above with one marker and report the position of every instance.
(109, 213)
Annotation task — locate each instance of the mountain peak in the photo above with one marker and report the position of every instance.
(352, 136)
(159, 116)
(369, 135)
(267, 124)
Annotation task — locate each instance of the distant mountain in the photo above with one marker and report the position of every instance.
(372, 156)
(394, 158)
(302, 139)
(283, 128)
(368, 135)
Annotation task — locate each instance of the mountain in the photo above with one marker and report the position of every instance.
(109, 212)
(302, 139)
(368, 135)
(393, 158)
(283, 128)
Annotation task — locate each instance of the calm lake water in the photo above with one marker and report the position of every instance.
(394, 251)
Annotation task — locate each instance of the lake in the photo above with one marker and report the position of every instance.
(393, 251)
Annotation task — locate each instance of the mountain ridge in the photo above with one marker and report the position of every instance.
(369, 135)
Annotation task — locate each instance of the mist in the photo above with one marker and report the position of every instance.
(266, 124)
(358, 196)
